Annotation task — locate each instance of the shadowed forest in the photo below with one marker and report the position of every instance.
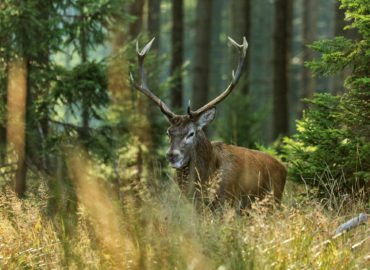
(104, 157)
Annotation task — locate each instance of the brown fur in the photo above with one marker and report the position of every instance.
(242, 174)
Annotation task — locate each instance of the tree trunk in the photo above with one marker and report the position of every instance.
(201, 54)
(119, 89)
(177, 52)
(337, 81)
(141, 128)
(218, 51)
(154, 29)
(16, 120)
(339, 20)
(3, 101)
(136, 9)
(309, 36)
(282, 47)
(154, 7)
(85, 115)
(240, 27)
(43, 61)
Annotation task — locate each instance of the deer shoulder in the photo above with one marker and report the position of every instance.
(247, 172)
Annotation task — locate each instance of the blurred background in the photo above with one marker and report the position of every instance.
(85, 151)
(64, 69)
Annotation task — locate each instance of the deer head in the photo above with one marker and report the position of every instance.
(186, 131)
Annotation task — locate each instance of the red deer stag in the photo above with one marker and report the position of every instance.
(241, 173)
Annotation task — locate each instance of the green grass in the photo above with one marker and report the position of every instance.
(164, 231)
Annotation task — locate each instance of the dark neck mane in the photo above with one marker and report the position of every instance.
(201, 166)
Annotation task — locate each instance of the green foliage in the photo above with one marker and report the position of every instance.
(83, 89)
(85, 85)
(22, 21)
(333, 135)
(357, 12)
(86, 23)
(336, 55)
(37, 30)
(324, 145)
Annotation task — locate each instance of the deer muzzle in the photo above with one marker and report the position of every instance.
(175, 158)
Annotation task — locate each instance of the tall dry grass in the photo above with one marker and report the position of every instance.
(163, 231)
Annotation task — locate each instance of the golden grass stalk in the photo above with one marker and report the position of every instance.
(105, 215)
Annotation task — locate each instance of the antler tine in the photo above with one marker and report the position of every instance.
(142, 87)
(189, 111)
(235, 78)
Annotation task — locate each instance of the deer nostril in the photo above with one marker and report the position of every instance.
(172, 156)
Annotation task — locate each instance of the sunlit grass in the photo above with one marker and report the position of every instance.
(164, 231)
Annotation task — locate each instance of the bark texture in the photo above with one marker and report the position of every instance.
(154, 7)
(282, 48)
(177, 52)
(202, 54)
(309, 36)
(136, 9)
(240, 27)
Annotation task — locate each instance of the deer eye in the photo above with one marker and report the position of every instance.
(191, 134)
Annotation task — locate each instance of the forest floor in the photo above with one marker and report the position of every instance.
(167, 233)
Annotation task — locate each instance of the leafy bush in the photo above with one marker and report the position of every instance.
(324, 145)
(333, 136)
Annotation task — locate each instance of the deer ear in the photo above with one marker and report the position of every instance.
(206, 117)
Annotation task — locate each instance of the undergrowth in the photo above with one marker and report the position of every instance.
(164, 231)
(160, 229)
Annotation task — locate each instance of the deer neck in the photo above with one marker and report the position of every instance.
(202, 163)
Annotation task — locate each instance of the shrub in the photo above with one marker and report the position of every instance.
(333, 138)
(325, 148)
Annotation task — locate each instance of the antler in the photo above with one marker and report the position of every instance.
(235, 78)
(142, 87)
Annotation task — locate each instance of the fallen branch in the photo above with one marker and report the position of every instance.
(343, 228)
(352, 223)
